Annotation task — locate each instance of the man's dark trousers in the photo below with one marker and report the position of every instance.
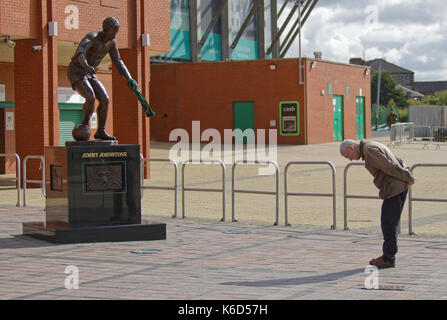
(391, 212)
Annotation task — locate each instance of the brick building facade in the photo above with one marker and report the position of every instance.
(211, 91)
(33, 67)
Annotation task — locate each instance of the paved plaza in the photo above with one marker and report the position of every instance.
(252, 259)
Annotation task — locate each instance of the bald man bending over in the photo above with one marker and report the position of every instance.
(392, 177)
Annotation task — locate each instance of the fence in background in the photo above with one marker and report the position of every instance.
(411, 133)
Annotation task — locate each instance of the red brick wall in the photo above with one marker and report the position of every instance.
(18, 17)
(157, 23)
(319, 106)
(91, 15)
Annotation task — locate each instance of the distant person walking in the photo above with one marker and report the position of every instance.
(392, 118)
(392, 177)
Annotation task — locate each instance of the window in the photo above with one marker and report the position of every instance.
(408, 79)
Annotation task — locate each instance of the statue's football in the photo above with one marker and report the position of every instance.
(81, 132)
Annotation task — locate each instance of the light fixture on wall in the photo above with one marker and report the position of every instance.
(146, 40)
(52, 28)
(11, 44)
(313, 64)
(272, 66)
(366, 72)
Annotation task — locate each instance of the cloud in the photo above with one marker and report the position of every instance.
(412, 34)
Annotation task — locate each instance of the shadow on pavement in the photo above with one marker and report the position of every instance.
(20, 241)
(297, 281)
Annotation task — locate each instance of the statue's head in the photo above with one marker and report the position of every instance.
(110, 23)
(110, 27)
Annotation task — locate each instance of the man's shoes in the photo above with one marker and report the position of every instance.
(381, 263)
(102, 135)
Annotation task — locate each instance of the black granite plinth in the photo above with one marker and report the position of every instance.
(93, 193)
(93, 184)
(113, 233)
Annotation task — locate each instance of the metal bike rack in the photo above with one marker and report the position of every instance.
(333, 194)
(352, 196)
(18, 178)
(173, 188)
(25, 181)
(203, 189)
(411, 198)
(233, 190)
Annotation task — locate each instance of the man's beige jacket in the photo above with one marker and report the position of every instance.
(391, 175)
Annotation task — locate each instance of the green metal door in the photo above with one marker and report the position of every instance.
(360, 117)
(337, 107)
(243, 117)
(68, 120)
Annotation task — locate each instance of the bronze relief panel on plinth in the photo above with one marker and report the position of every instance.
(105, 177)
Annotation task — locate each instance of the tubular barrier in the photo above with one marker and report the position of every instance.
(333, 194)
(233, 190)
(18, 178)
(401, 133)
(411, 198)
(204, 189)
(174, 187)
(410, 133)
(25, 181)
(347, 196)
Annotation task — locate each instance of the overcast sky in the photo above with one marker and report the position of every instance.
(409, 33)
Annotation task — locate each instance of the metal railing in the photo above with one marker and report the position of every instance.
(411, 198)
(333, 194)
(25, 180)
(203, 189)
(410, 133)
(401, 133)
(18, 178)
(173, 188)
(234, 190)
(347, 196)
